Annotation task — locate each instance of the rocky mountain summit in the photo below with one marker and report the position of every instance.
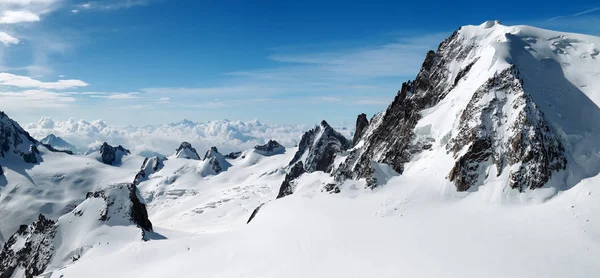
(318, 148)
(16, 142)
(185, 150)
(215, 160)
(270, 148)
(112, 155)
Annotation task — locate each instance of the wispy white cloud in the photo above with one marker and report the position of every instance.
(7, 39)
(36, 99)
(108, 5)
(8, 79)
(131, 95)
(575, 14)
(12, 17)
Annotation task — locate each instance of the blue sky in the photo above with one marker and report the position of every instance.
(287, 62)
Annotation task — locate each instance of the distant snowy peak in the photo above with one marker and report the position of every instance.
(270, 148)
(216, 161)
(112, 155)
(58, 143)
(16, 142)
(185, 150)
(318, 148)
(46, 243)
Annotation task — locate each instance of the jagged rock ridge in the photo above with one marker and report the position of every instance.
(30, 248)
(14, 140)
(288, 185)
(270, 148)
(112, 155)
(318, 147)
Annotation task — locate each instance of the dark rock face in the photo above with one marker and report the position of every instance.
(29, 248)
(254, 213)
(233, 155)
(111, 155)
(185, 150)
(492, 135)
(270, 148)
(288, 185)
(14, 139)
(361, 125)
(149, 166)
(134, 209)
(318, 147)
(52, 149)
(1, 171)
(390, 137)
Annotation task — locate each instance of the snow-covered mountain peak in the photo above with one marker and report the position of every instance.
(270, 148)
(112, 155)
(215, 161)
(15, 142)
(185, 150)
(318, 148)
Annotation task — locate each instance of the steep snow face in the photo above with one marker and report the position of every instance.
(58, 143)
(185, 150)
(150, 166)
(214, 162)
(15, 142)
(104, 217)
(318, 148)
(533, 121)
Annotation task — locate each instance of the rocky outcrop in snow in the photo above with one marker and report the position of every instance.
(29, 249)
(123, 205)
(15, 141)
(361, 125)
(233, 155)
(149, 166)
(185, 150)
(288, 185)
(270, 148)
(216, 161)
(502, 125)
(33, 247)
(112, 155)
(318, 147)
